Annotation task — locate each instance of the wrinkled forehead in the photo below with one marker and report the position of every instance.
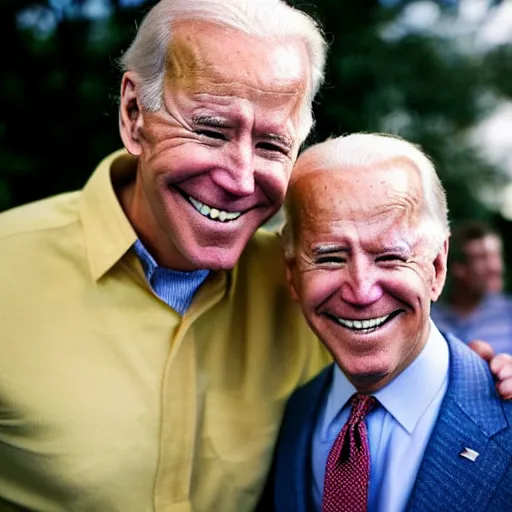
(203, 53)
(377, 201)
(358, 191)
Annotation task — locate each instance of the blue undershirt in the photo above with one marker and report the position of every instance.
(175, 288)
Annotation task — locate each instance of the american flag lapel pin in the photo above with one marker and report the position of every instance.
(469, 454)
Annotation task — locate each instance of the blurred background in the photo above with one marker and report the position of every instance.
(436, 72)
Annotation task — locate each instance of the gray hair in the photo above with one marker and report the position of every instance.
(363, 150)
(262, 18)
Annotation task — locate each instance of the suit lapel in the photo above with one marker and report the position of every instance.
(469, 416)
(299, 444)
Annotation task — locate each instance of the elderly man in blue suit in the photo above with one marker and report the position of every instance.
(407, 418)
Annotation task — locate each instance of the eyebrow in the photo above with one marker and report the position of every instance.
(219, 122)
(281, 139)
(401, 248)
(329, 248)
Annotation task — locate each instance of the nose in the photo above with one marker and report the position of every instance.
(360, 286)
(236, 176)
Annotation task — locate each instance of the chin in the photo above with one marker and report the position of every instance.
(215, 259)
(371, 381)
(367, 375)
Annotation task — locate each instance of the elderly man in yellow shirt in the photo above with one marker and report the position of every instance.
(148, 344)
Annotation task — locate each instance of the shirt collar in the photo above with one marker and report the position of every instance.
(408, 395)
(175, 288)
(108, 232)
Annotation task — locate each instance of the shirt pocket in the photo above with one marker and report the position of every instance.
(239, 438)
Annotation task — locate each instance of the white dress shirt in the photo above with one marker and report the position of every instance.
(398, 428)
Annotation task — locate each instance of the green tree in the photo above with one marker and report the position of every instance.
(419, 86)
(58, 113)
(59, 87)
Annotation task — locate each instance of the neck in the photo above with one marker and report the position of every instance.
(136, 207)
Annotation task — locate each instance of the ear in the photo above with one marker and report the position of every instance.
(290, 268)
(440, 264)
(130, 114)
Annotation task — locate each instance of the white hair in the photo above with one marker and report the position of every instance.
(262, 18)
(365, 150)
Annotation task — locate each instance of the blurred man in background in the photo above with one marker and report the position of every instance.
(475, 306)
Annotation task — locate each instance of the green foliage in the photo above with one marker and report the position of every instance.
(419, 86)
(58, 113)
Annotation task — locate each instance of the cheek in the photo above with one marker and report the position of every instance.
(413, 289)
(180, 162)
(317, 287)
(273, 177)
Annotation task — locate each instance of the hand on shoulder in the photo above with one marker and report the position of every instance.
(500, 365)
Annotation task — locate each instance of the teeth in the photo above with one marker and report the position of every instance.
(195, 202)
(363, 325)
(213, 213)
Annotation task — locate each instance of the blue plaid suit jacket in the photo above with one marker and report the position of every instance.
(471, 415)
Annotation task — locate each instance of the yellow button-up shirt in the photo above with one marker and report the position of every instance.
(110, 400)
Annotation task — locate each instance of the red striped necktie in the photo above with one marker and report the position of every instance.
(347, 472)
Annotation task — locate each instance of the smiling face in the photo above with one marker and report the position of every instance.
(215, 161)
(362, 272)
